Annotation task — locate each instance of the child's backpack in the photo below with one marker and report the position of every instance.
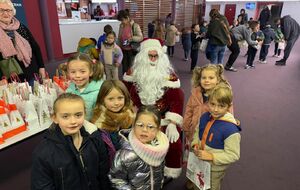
(87, 46)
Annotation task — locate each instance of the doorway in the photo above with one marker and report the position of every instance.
(230, 12)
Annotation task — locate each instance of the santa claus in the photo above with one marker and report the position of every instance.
(152, 81)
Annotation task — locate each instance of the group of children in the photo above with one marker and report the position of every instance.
(107, 52)
(264, 38)
(97, 141)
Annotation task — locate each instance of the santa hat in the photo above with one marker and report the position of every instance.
(152, 44)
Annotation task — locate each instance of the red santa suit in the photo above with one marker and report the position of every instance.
(171, 108)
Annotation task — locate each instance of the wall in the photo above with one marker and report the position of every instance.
(33, 16)
(291, 8)
(239, 6)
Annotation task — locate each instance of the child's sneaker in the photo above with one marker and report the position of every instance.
(263, 62)
(247, 67)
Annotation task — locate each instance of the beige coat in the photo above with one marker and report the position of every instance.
(171, 34)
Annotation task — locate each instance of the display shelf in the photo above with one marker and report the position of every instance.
(24, 135)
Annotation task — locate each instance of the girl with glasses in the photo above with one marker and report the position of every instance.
(139, 164)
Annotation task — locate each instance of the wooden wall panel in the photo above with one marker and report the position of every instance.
(189, 13)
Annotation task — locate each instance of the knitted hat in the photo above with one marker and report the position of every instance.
(152, 44)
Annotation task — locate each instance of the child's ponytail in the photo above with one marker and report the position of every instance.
(98, 69)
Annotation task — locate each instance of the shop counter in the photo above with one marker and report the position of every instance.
(71, 31)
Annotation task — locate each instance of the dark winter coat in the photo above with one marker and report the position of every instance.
(289, 27)
(57, 165)
(269, 35)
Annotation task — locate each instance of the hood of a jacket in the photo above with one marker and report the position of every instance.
(85, 42)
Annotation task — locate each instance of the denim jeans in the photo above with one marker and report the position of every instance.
(216, 54)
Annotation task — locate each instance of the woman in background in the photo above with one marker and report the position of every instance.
(18, 44)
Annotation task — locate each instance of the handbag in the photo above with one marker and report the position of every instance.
(203, 45)
(198, 171)
(10, 66)
(281, 45)
(135, 46)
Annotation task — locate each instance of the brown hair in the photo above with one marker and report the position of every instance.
(197, 74)
(94, 66)
(253, 24)
(214, 13)
(105, 89)
(123, 14)
(149, 110)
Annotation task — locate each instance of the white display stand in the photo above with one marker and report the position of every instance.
(24, 135)
(71, 31)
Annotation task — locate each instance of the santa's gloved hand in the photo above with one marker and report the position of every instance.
(172, 133)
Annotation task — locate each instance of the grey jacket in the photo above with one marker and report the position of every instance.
(129, 171)
(241, 32)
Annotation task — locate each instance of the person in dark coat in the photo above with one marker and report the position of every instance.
(291, 31)
(264, 17)
(269, 36)
(151, 26)
(68, 157)
(243, 17)
(186, 42)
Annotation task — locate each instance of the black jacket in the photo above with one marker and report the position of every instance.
(289, 27)
(269, 35)
(57, 165)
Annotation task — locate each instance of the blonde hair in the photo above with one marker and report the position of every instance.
(94, 66)
(10, 4)
(222, 93)
(197, 74)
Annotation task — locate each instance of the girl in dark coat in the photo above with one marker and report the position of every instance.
(68, 158)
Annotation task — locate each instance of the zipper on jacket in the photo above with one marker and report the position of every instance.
(81, 160)
(151, 178)
(62, 178)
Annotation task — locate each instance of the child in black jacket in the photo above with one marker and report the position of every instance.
(269, 37)
(68, 157)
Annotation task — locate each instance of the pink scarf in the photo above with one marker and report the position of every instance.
(22, 47)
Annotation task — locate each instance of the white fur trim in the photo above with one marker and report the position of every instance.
(164, 122)
(128, 78)
(178, 119)
(172, 172)
(89, 127)
(172, 84)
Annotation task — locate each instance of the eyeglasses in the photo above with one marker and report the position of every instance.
(8, 11)
(153, 56)
(149, 126)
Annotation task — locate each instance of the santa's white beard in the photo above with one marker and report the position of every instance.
(151, 77)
